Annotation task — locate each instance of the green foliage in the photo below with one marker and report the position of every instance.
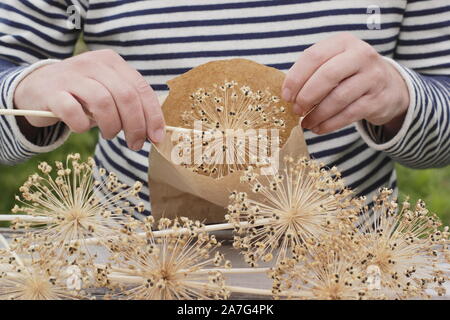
(80, 46)
(430, 185)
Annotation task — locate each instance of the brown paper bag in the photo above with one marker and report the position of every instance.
(178, 191)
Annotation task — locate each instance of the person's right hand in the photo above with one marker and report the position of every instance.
(96, 88)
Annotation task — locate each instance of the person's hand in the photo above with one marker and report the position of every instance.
(343, 79)
(96, 88)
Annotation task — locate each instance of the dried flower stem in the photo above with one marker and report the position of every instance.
(259, 292)
(28, 113)
(118, 271)
(48, 114)
(234, 270)
(209, 228)
(163, 233)
(236, 289)
(126, 279)
(25, 218)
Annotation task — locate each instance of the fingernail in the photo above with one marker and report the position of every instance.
(138, 145)
(305, 125)
(297, 109)
(315, 130)
(286, 94)
(158, 135)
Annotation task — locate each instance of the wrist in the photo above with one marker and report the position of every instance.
(26, 93)
(29, 94)
(400, 102)
(21, 100)
(41, 140)
(19, 95)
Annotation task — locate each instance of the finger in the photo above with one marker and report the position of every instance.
(325, 79)
(347, 92)
(70, 111)
(98, 101)
(152, 109)
(93, 123)
(128, 104)
(309, 61)
(349, 115)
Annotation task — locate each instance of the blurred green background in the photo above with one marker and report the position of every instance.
(431, 185)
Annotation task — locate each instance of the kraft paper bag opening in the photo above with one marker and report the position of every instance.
(176, 190)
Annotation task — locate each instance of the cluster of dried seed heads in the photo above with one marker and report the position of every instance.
(76, 205)
(283, 211)
(236, 123)
(325, 244)
(396, 253)
(172, 266)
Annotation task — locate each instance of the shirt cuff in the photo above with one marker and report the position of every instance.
(49, 138)
(373, 135)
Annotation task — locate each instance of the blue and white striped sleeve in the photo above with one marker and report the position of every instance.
(423, 59)
(31, 36)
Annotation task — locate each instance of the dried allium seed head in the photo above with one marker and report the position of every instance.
(284, 211)
(172, 266)
(235, 107)
(41, 276)
(74, 203)
(406, 244)
(324, 272)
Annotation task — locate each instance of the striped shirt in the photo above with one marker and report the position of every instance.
(165, 38)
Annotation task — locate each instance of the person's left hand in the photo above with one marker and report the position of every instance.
(342, 80)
